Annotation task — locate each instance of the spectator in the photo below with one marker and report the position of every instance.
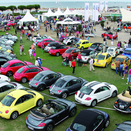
(117, 65)
(34, 53)
(121, 69)
(125, 45)
(70, 59)
(21, 39)
(91, 61)
(20, 50)
(129, 77)
(42, 47)
(121, 50)
(38, 35)
(36, 62)
(30, 53)
(125, 70)
(79, 59)
(23, 33)
(40, 61)
(73, 66)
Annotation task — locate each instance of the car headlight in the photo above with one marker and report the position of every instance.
(103, 62)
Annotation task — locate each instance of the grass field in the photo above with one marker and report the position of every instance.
(55, 63)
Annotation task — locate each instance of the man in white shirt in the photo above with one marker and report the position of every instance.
(38, 35)
(30, 53)
(91, 64)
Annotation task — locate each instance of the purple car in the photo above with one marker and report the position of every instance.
(18, 17)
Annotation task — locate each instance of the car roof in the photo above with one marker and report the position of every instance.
(86, 118)
(46, 72)
(2, 83)
(14, 61)
(68, 77)
(82, 40)
(102, 53)
(30, 66)
(121, 56)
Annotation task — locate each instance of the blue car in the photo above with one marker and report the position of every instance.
(127, 52)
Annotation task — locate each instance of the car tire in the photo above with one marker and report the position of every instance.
(106, 65)
(14, 115)
(9, 73)
(107, 123)
(114, 94)
(24, 80)
(49, 127)
(57, 54)
(73, 112)
(39, 102)
(82, 48)
(94, 102)
(41, 87)
(64, 95)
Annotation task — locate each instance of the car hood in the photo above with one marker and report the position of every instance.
(44, 68)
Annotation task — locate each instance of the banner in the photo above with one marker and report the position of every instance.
(93, 14)
(96, 11)
(102, 6)
(106, 5)
(86, 11)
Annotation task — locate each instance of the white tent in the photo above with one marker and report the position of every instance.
(68, 12)
(125, 15)
(58, 12)
(49, 13)
(28, 18)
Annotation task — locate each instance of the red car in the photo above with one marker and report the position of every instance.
(26, 73)
(46, 42)
(11, 23)
(73, 51)
(58, 50)
(110, 35)
(10, 67)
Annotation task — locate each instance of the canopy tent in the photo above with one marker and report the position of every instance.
(28, 18)
(49, 13)
(68, 12)
(58, 12)
(125, 15)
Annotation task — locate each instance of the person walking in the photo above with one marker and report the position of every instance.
(112, 42)
(73, 66)
(34, 52)
(70, 59)
(79, 59)
(125, 70)
(91, 64)
(21, 39)
(20, 50)
(121, 69)
(30, 53)
(23, 33)
(129, 77)
(117, 65)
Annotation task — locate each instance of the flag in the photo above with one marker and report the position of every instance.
(106, 5)
(93, 15)
(86, 11)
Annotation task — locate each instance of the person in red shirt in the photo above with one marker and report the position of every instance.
(70, 59)
(79, 59)
(73, 66)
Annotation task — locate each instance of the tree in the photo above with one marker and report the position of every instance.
(2, 8)
(36, 6)
(30, 7)
(79, 27)
(12, 7)
(114, 18)
(22, 7)
(102, 23)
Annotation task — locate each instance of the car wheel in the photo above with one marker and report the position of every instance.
(24, 80)
(49, 127)
(64, 95)
(39, 102)
(94, 102)
(106, 65)
(114, 94)
(73, 112)
(82, 48)
(14, 115)
(41, 87)
(57, 54)
(9, 73)
(107, 123)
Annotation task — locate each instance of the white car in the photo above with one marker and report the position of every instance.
(113, 51)
(93, 92)
(68, 40)
(4, 78)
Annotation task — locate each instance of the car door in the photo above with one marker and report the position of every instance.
(62, 49)
(14, 67)
(47, 80)
(108, 59)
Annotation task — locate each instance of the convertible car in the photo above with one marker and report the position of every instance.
(109, 35)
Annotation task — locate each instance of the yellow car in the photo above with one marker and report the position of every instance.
(121, 58)
(102, 59)
(19, 101)
(81, 44)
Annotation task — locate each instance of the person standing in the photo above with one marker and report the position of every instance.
(112, 41)
(36, 62)
(21, 39)
(20, 50)
(79, 59)
(121, 69)
(117, 65)
(70, 59)
(42, 47)
(91, 64)
(73, 66)
(39, 61)
(30, 53)
(34, 52)
(23, 32)
(129, 77)
(125, 71)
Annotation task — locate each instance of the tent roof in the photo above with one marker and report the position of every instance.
(68, 12)
(58, 12)
(49, 13)
(125, 15)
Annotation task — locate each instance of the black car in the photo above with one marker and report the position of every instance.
(50, 114)
(44, 79)
(90, 120)
(123, 103)
(124, 126)
(66, 85)
(4, 58)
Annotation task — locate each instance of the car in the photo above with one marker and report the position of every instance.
(4, 78)
(4, 58)
(127, 52)
(11, 23)
(50, 114)
(10, 37)
(124, 126)
(73, 51)
(109, 35)
(102, 60)
(7, 42)
(4, 49)
(66, 85)
(113, 51)
(58, 50)
(121, 58)
(81, 44)
(26, 73)
(48, 47)
(6, 87)
(68, 40)
(93, 92)
(44, 79)
(90, 120)
(10, 67)
(18, 102)
(86, 55)
(39, 39)
(123, 103)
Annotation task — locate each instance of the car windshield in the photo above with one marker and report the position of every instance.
(79, 127)
(100, 57)
(8, 100)
(110, 50)
(20, 70)
(68, 51)
(120, 59)
(86, 90)
(83, 54)
(127, 51)
(5, 65)
(60, 82)
(53, 47)
(93, 46)
(38, 76)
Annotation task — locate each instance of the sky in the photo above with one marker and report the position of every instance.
(11, 1)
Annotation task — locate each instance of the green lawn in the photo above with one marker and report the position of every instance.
(55, 63)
